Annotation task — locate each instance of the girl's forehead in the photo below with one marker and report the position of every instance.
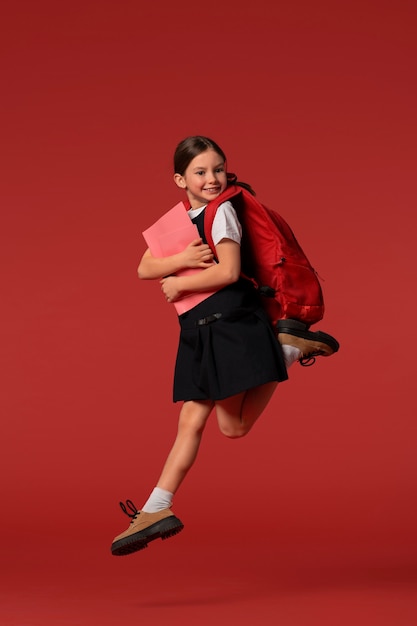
(208, 157)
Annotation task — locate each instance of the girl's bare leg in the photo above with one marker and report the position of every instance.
(192, 420)
(236, 415)
(160, 522)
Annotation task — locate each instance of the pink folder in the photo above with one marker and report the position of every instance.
(169, 235)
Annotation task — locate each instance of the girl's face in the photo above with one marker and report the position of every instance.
(204, 179)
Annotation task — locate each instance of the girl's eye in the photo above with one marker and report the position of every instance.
(200, 173)
(220, 169)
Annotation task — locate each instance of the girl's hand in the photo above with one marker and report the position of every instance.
(170, 288)
(198, 254)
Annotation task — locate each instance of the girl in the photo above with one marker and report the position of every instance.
(228, 357)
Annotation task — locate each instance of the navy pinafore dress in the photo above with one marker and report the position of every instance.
(226, 345)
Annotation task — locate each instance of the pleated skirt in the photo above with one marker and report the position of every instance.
(226, 346)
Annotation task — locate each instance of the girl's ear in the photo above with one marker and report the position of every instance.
(179, 181)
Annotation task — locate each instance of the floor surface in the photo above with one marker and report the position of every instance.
(204, 581)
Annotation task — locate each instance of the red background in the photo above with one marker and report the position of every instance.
(312, 518)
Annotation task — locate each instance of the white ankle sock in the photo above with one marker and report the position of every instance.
(291, 354)
(158, 500)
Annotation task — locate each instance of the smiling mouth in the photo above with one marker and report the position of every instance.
(212, 189)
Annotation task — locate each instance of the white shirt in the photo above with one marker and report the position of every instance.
(225, 225)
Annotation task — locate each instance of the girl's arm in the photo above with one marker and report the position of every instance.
(225, 272)
(195, 255)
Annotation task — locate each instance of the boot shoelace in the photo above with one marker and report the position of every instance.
(307, 361)
(129, 506)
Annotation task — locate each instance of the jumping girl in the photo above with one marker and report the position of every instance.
(229, 359)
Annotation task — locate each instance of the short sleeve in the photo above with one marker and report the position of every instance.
(226, 224)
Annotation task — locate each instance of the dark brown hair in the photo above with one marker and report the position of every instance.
(192, 146)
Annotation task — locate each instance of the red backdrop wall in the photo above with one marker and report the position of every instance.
(315, 107)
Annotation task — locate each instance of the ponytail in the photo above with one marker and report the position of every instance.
(232, 180)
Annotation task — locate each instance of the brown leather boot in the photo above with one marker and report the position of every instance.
(310, 343)
(143, 528)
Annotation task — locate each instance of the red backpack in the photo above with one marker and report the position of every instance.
(272, 258)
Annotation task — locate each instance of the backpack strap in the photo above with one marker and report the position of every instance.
(211, 210)
(232, 191)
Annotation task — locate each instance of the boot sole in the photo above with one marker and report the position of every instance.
(298, 329)
(163, 529)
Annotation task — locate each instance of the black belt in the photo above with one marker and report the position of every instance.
(230, 317)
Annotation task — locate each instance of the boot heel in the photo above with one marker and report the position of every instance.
(283, 325)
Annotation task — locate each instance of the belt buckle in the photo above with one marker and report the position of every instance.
(208, 320)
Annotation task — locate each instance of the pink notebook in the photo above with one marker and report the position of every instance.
(169, 235)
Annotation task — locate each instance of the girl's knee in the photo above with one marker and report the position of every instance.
(234, 431)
